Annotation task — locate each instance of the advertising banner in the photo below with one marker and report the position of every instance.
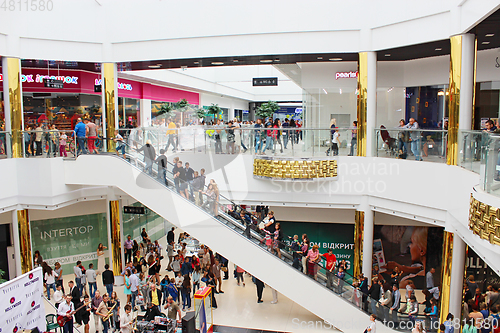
(411, 250)
(21, 303)
(69, 239)
(338, 237)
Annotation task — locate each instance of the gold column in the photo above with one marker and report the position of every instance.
(454, 98)
(447, 257)
(23, 224)
(362, 97)
(114, 213)
(359, 221)
(109, 90)
(16, 109)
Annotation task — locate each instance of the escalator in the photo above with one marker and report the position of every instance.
(217, 226)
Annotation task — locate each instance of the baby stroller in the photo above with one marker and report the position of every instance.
(390, 144)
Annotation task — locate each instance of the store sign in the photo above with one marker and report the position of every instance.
(69, 239)
(51, 83)
(133, 210)
(121, 86)
(40, 78)
(265, 81)
(346, 75)
(298, 110)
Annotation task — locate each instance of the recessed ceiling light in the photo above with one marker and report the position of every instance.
(438, 49)
(266, 60)
(155, 66)
(485, 43)
(196, 62)
(489, 35)
(235, 60)
(335, 59)
(276, 60)
(387, 54)
(320, 58)
(217, 63)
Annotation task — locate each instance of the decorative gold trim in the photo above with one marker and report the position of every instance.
(474, 85)
(114, 216)
(361, 105)
(446, 275)
(289, 169)
(484, 221)
(109, 90)
(16, 106)
(359, 224)
(454, 98)
(23, 224)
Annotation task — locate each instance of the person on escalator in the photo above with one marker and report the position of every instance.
(149, 156)
(181, 175)
(162, 167)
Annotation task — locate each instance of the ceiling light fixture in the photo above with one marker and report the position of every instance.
(196, 62)
(217, 63)
(276, 60)
(489, 35)
(438, 49)
(340, 89)
(320, 58)
(155, 66)
(266, 60)
(235, 60)
(387, 54)
(485, 43)
(335, 59)
(325, 91)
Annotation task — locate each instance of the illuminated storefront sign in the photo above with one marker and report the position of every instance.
(39, 78)
(346, 75)
(122, 86)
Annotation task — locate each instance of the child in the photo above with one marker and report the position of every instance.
(372, 328)
(62, 144)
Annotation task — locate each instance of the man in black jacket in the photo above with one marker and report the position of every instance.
(374, 293)
(162, 167)
(108, 279)
(260, 289)
(170, 235)
(74, 292)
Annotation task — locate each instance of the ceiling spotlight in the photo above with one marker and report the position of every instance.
(235, 60)
(217, 63)
(485, 43)
(266, 60)
(196, 62)
(335, 59)
(387, 54)
(276, 60)
(489, 35)
(155, 66)
(438, 49)
(320, 58)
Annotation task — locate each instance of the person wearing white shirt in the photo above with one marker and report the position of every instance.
(50, 280)
(372, 328)
(67, 309)
(78, 276)
(91, 280)
(126, 320)
(58, 296)
(134, 283)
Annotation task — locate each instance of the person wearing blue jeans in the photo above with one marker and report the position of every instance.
(415, 138)
(80, 132)
(269, 140)
(108, 279)
(258, 141)
(65, 309)
(102, 311)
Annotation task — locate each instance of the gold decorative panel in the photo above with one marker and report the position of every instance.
(484, 221)
(290, 169)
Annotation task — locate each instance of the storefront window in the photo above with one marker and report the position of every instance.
(487, 104)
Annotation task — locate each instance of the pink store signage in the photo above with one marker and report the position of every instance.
(346, 75)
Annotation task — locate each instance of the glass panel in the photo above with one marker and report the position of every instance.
(42, 142)
(5, 151)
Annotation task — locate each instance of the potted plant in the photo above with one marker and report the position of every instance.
(166, 110)
(214, 110)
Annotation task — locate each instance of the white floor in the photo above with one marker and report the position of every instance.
(238, 307)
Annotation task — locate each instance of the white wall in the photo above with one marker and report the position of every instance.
(207, 99)
(128, 30)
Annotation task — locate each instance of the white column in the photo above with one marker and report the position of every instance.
(145, 112)
(457, 275)
(17, 246)
(467, 82)
(371, 103)
(366, 268)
